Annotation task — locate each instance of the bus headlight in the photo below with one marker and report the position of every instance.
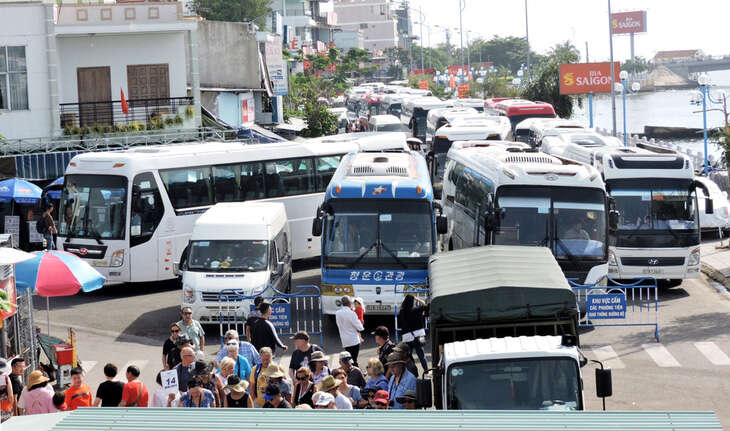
(188, 295)
(612, 259)
(694, 258)
(336, 289)
(117, 259)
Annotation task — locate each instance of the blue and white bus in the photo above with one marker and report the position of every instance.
(378, 227)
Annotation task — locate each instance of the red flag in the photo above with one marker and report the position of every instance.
(125, 108)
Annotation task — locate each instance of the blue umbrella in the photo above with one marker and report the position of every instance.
(20, 191)
(53, 190)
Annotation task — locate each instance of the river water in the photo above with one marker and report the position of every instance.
(661, 108)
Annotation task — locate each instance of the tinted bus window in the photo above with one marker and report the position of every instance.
(188, 187)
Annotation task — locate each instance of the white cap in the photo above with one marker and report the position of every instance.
(325, 399)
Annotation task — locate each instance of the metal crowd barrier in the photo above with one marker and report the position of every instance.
(300, 310)
(610, 303)
(403, 290)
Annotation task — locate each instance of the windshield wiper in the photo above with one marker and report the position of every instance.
(567, 252)
(397, 259)
(359, 258)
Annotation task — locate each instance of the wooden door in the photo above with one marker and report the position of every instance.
(149, 81)
(94, 85)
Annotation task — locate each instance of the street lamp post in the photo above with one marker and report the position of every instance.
(635, 87)
(701, 98)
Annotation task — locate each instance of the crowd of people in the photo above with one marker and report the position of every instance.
(245, 374)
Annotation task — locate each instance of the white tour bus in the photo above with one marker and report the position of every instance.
(440, 117)
(482, 128)
(533, 130)
(242, 246)
(477, 104)
(131, 213)
(558, 141)
(414, 113)
(504, 193)
(654, 191)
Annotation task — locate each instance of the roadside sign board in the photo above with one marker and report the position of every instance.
(606, 306)
(629, 22)
(280, 315)
(463, 91)
(583, 78)
(423, 84)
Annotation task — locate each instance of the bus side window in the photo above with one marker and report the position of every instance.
(325, 167)
(147, 209)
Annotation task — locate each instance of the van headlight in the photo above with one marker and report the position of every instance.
(612, 259)
(188, 295)
(694, 258)
(117, 259)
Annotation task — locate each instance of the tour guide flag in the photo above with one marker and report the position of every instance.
(125, 108)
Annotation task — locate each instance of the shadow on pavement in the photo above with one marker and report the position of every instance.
(106, 293)
(154, 325)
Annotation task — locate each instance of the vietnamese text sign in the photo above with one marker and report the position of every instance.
(169, 382)
(583, 78)
(628, 22)
(277, 67)
(463, 91)
(280, 315)
(12, 226)
(606, 306)
(423, 84)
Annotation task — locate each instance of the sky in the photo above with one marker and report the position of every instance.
(671, 24)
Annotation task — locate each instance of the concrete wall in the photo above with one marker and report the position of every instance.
(117, 51)
(348, 39)
(23, 24)
(372, 17)
(228, 56)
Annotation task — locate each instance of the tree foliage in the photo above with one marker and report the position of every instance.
(304, 102)
(545, 82)
(637, 66)
(233, 10)
(722, 139)
(509, 52)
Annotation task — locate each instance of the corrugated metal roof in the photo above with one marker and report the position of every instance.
(118, 419)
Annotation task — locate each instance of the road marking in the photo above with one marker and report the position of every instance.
(87, 366)
(660, 355)
(122, 374)
(713, 353)
(608, 356)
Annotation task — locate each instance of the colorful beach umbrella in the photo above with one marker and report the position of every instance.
(56, 273)
(20, 191)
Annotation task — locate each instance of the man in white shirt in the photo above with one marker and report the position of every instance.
(349, 326)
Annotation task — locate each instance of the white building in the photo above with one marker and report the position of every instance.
(308, 23)
(373, 17)
(63, 66)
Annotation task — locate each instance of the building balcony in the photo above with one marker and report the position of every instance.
(143, 114)
(100, 18)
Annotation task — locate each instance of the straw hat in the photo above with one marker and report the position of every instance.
(36, 377)
(235, 384)
(329, 383)
(317, 356)
(273, 372)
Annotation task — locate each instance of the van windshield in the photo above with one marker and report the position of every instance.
(228, 256)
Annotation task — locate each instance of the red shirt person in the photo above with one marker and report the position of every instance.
(78, 394)
(135, 392)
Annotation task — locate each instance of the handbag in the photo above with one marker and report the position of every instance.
(418, 333)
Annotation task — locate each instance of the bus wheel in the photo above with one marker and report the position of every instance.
(451, 245)
(669, 283)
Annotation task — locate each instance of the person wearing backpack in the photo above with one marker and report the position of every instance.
(135, 392)
(47, 227)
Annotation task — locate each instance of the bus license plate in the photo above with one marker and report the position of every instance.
(652, 271)
(377, 307)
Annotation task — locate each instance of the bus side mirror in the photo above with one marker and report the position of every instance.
(709, 206)
(613, 220)
(604, 384)
(317, 226)
(442, 225)
(424, 393)
(176, 269)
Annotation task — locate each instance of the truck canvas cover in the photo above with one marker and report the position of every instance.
(504, 283)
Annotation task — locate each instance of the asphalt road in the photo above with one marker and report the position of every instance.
(688, 369)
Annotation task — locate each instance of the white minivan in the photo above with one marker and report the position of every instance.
(244, 246)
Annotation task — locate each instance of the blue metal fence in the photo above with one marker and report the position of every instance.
(403, 290)
(610, 303)
(43, 165)
(300, 310)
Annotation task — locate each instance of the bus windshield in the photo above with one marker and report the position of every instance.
(378, 231)
(664, 209)
(390, 128)
(545, 383)
(228, 256)
(93, 206)
(571, 221)
(419, 119)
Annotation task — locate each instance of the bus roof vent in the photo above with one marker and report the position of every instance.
(531, 158)
(363, 170)
(401, 171)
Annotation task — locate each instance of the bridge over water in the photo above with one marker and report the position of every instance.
(685, 68)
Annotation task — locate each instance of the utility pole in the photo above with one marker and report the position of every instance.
(461, 30)
(468, 56)
(420, 12)
(527, 37)
(613, 80)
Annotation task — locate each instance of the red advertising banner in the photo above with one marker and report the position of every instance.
(424, 71)
(582, 78)
(452, 82)
(454, 70)
(464, 91)
(629, 22)
(423, 84)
